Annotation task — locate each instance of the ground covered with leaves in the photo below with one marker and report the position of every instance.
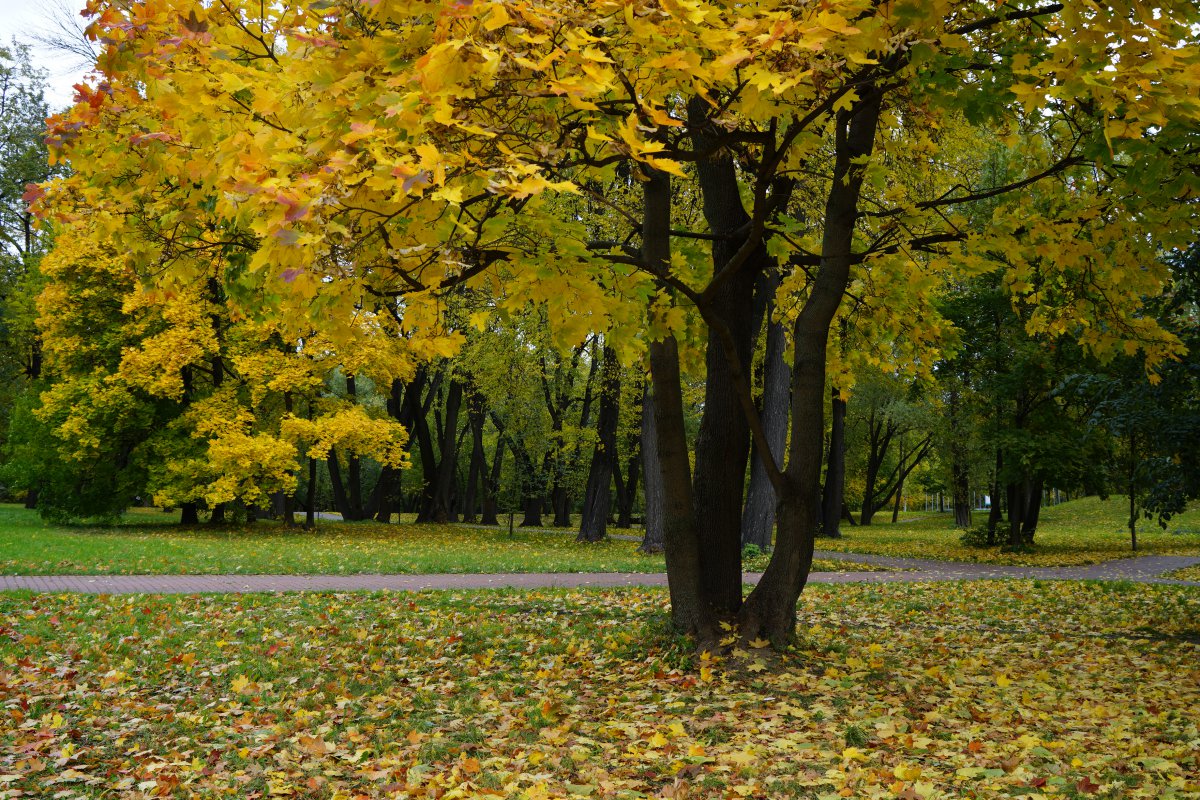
(1186, 574)
(1087, 531)
(988, 689)
(147, 544)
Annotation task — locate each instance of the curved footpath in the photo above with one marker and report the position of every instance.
(1144, 569)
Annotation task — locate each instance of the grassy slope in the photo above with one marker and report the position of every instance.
(985, 690)
(149, 543)
(1085, 531)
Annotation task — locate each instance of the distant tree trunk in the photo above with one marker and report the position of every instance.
(189, 514)
(994, 511)
(1033, 508)
(652, 515)
(879, 439)
(1016, 507)
(833, 503)
(531, 510)
(282, 506)
(441, 497)
(218, 515)
(491, 487)
(960, 469)
(478, 459)
(758, 516)
(896, 504)
(594, 525)
(310, 496)
(353, 464)
(379, 507)
(627, 487)
(560, 504)
(340, 501)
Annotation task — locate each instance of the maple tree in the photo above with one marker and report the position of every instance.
(633, 169)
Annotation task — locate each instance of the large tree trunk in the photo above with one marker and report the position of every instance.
(189, 514)
(758, 517)
(723, 443)
(833, 496)
(594, 525)
(653, 520)
(770, 610)
(681, 544)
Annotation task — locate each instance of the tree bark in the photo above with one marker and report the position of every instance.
(723, 442)
(758, 517)
(491, 487)
(594, 524)
(653, 521)
(475, 472)
(681, 543)
(833, 496)
(310, 498)
(770, 610)
(440, 508)
(189, 514)
(1033, 509)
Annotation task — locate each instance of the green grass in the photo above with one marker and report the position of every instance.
(986, 690)
(1086, 531)
(150, 543)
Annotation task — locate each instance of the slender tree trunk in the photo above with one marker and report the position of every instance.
(758, 517)
(627, 488)
(898, 499)
(653, 521)
(770, 610)
(310, 499)
(594, 525)
(994, 513)
(833, 497)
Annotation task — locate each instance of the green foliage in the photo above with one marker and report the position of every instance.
(978, 536)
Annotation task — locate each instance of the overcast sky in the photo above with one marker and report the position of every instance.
(20, 19)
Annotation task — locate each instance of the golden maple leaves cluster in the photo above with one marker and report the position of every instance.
(339, 167)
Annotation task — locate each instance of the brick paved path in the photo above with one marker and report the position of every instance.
(1145, 569)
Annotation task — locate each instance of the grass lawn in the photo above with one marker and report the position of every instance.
(1086, 531)
(149, 543)
(982, 690)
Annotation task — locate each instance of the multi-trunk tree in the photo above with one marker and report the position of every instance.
(378, 156)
